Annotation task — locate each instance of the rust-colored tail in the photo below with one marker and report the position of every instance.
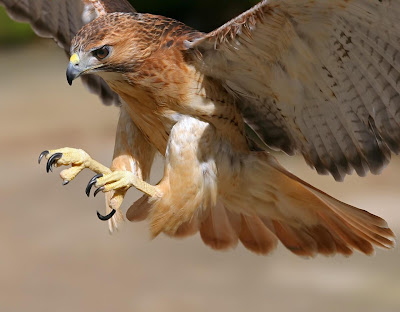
(340, 227)
(272, 204)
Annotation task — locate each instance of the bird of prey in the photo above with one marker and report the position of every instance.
(315, 77)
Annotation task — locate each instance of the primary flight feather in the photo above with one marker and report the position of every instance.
(320, 78)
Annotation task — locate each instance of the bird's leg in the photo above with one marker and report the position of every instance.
(79, 160)
(133, 155)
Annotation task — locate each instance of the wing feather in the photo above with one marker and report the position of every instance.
(110, 6)
(61, 20)
(318, 77)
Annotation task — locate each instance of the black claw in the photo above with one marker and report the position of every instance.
(107, 217)
(65, 182)
(52, 160)
(98, 191)
(91, 183)
(42, 154)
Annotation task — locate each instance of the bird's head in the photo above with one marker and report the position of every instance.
(107, 45)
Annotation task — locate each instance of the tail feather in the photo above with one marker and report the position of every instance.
(341, 246)
(187, 229)
(358, 215)
(308, 221)
(260, 211)
(139, 210)
(379, 236)
(359, 219)
(298, 241)
(326, 242)
(217, 231)
(348, 234)
(255, 236)
(365, 224)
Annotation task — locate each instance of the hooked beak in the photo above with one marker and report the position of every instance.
(73, 70)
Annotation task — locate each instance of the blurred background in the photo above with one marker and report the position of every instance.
(57, 256)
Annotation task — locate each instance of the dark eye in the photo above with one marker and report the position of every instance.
(101, 53)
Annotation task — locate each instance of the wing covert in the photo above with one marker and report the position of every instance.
(317, 77)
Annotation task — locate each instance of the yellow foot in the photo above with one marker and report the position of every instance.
(77, 158)
(105, 180)
(117, 183)
(120, 181)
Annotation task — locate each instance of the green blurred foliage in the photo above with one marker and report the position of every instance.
(12, 32)
(204, 15)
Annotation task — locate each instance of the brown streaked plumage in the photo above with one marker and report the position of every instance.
(315, 77)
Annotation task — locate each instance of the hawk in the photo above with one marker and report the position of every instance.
(315, 77)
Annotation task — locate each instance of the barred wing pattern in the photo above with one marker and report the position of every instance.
(319, 77)
(61, 20)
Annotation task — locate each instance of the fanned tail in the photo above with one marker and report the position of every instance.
(313, 222)
(281, 207)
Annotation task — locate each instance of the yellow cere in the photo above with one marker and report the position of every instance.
(74, 59)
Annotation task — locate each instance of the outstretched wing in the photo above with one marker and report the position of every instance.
(319, 77)
(61, 20)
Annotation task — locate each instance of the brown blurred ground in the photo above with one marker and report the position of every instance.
(57, 256)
